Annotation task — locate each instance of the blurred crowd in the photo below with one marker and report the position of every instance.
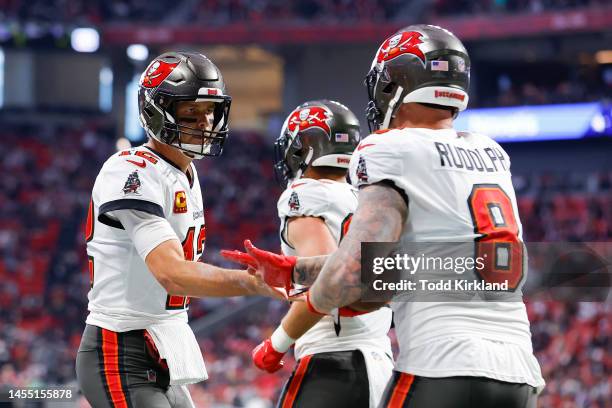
(539, 91)
(530, 93)
(216, 12)
(569, 207)
(470, 7)
(48, 172)
(572, 343)
(211, 12)
(233, 379)
(44, 187)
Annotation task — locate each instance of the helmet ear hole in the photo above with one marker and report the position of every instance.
(148, 112)
(389, 88)
(299, 154)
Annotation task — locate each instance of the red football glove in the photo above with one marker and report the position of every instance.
(274, 269)
(240, 257)
(266, 358)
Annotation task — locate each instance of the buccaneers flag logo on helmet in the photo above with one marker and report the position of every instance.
(156, 73)
(310, 117)
(406, 42)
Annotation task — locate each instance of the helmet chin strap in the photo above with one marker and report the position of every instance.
(391, 108)
(304, 165)
(192, 155)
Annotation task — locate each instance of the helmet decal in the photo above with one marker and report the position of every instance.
(311, 117)
(156, 73)
(406, 42)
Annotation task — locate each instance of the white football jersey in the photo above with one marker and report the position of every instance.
(335, 203)
(458, 187)
(124, 294)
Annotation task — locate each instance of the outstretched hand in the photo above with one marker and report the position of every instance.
(274, 269)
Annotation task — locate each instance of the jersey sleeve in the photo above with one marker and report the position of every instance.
(123, 185)
(146, 231)
(303, 199)
(377, 160)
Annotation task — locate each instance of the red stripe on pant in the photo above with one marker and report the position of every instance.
(296, 381)
(400, 391)
(110, 352)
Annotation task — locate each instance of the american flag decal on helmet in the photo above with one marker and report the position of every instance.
(342, 137)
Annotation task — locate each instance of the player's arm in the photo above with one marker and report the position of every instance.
(380, 216)
(309, 236)
(186, 278)
(307, 269)
(159, 246)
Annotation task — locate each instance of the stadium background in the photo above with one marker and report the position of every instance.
(67, 101)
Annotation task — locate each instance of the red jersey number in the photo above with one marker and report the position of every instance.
(346, 223)
(192, 252)
(494, 219)
(89, 231)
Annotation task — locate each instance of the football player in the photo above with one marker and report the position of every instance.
(145, 233)
(345, 360)
(420, 180)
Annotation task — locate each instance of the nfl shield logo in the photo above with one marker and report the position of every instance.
(461, 65)
(294, 202)
(132, 184)
(362, 172)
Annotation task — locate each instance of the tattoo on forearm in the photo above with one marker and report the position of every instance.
(307, 269)
(380, 217)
